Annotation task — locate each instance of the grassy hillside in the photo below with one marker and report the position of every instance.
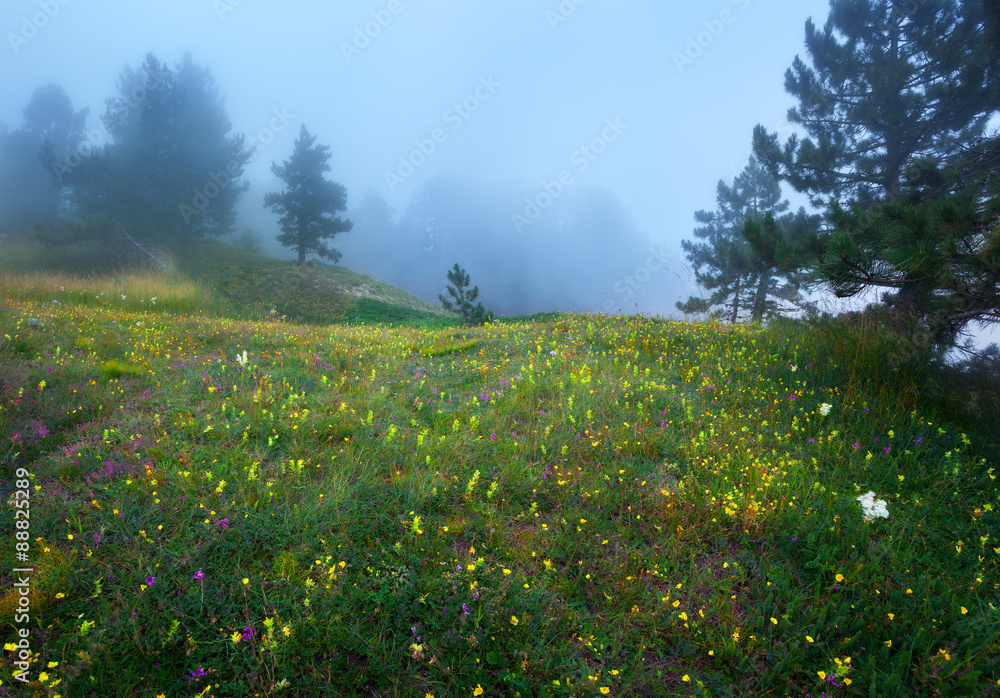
(564, 506)
(215, 279)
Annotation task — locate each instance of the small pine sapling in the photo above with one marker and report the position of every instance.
(463, 297)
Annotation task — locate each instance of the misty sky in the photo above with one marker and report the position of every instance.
(555, 80)
(668, 92)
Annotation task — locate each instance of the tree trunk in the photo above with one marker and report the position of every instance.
(911, 298)
(760, 297)
(302, 255)
(736, 300)
(893, 147)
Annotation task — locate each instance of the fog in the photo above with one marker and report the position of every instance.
(556, 149)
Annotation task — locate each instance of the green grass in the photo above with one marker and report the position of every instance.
(550, 506)
(209, 278)
(373, 311)
(446, 345)
(135, 291)
(255, 286)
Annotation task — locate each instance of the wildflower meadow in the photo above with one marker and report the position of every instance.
(571, 505)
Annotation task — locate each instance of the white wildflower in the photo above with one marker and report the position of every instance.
(242, 360)
(825, 408)
(873, 508)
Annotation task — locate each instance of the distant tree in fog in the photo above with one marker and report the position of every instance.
(374, 247)
(29, 191)
(573, 257)
(250, 241)
(309, 204)
(172, 171)
(49, 119)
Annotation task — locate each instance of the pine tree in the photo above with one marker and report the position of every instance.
(721, 264)
(783, 250)
(938, 246)
(171, 172)
(463, 297)
(29, 191)
(890, 83)
(309, 204)
(51, 122)
(895, 107)
(741, 280)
